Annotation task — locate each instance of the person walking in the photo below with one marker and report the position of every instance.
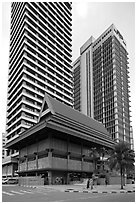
(88, 182)
(91, 183)
(107, 178)
(106, 181)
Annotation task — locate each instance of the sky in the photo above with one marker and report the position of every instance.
(88, 19)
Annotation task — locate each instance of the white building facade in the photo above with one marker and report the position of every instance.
(39, 61)
(103, 73)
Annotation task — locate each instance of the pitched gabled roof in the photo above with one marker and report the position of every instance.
(63, 118)
(67, 112)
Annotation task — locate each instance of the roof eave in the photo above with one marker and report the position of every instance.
(71, 131)
(25, 135)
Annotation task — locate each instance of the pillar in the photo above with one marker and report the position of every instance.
(82, 162)
(12, 169)
(19, 165)
(36, 159)
(6, 170)
(26, 162)
(82, 156)
(50, 177)
(68, 157)
(50, 157)
(68, 178)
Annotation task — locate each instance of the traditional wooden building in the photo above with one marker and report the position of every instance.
(59, 145)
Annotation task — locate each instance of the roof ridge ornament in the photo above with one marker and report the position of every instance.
(46, 105)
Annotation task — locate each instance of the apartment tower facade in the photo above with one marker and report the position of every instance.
(109, 83)
(39, 61)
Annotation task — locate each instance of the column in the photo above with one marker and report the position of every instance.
(68, 157)
(26, 162)
(19, 165)
(81, 156)
(36, 159)
(12, 169)
(82, 162)
(6, 170)
(67, 177)
(50, 157)
(50, 177)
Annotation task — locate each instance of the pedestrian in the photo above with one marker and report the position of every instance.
(106, 181)
(107, 178)
(88, 181)
(91, 183)
(62, 180)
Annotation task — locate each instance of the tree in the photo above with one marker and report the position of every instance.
(122, 158)
(98, 154)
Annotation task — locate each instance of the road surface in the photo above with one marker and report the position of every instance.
(15, 193)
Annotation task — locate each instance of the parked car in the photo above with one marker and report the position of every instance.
(10, 181)
(4, 181)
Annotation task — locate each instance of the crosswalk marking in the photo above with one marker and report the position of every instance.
(26, 191)
(17, 192)
(7, 193)
(22, 192)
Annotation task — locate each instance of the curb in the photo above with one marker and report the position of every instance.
(87, 191)
(103, 192)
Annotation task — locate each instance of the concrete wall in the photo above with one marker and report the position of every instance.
(43, 163)
(59, 144)
(32, 148)
(7, 170)
(32, 165)
(73, 147)
(23, 166)
(89, 167)
(86, 150)
(42, 145)
(74, 165)
(58, 163)
(4, 170)
(23, 152)
(31, 181)
(55, 162)
(39, 146)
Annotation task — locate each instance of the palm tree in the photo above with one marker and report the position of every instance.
(122, 158)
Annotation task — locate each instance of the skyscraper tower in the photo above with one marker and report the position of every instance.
(83, 79)
(39, 61)
(109, 82)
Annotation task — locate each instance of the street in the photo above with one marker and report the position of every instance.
(15, 193)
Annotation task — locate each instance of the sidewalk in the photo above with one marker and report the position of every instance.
(129, 188)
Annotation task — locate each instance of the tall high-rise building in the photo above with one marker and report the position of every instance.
(103, 74)
(83, 80)
(39, 61)
(3, 145)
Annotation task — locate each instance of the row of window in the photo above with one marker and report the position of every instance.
(33, 158)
